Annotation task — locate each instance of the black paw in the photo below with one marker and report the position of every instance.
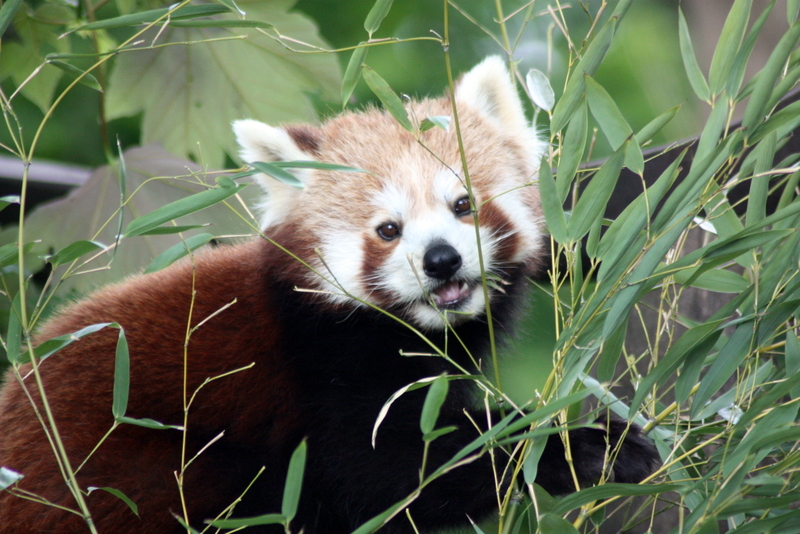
(611, 449)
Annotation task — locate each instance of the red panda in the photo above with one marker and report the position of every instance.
(323, 326)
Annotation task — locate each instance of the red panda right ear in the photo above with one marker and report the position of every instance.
(261, 142)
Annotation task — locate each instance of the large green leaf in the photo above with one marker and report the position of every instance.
(22, 58)
(90, 213)
(190, 93)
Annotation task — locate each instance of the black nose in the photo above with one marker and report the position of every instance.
(441, 261)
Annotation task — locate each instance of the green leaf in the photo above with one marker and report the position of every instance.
(51, 346)
(73, 251)
(14, 331)
(552, 204)
(696, 78)
(592, 202)
(294, 482)
(728, 46)
(319, 165)
(437, 393)
(119, 495)
(576, 85)
(145, 17)
(8, 477)
(376, 15)
(607, 491)
(148, 423)
(759, 183)
(607, 114)
(217, 23)
(353, 72)
(441, 121)
(792, 351)
(572, 150)
(391, 102)
(189, 95)
(540, 90)
(740, 62)
(530, 467)
(654, 126)
(716, 280)
(7, 13)
(756, 107)
(439, 432)
(696, 341)
(713, 129)
(738, 347)
(278, 173)
(179, 208)
(792, 8)
(266, 519)
(554, 524)
(122, 378)
(166, 230)
(176, 252)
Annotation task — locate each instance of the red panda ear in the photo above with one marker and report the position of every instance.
(489, 89)
(261, 142)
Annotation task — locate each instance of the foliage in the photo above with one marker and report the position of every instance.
(716, 391)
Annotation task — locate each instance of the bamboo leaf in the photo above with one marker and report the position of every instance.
(266, 519)
(353, 72)
(654, 126)
(696, 78)
(8, 477)
(740, 62)
(440, 121)
(134, 19)
(74, 251)
(607, 114)
(437, 392)
(593, 200)
(178, 251)
(572, 150)
(713, 129)
(728, 46)
(376, 15)
(391, 102)
(294, 482)
(588, 65)
(607, 491)
(759, 183)
(75, 73)
(7, 12)
(179, 208)
(554, 524)
(792, 8)
(552, 204)
(14, 331)
(756, 107)
(119, 495)
(122, 367)
(540, 90)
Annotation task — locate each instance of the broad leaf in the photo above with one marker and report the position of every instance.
(189, 95)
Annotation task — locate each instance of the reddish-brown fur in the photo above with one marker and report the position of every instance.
(154, 311)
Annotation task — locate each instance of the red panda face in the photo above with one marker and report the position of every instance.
(403, 236)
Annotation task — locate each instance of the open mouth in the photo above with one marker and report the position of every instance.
(451, 295)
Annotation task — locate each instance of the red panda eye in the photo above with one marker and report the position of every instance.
(461, 206)
(389, 231)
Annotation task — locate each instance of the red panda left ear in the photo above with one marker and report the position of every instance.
(261, 142)
(489, 89)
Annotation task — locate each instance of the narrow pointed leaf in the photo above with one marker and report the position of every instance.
(608, 115)
(728, 46)
(178, 251)
(693, 72)
(391, 102)
(9, 477)
(762, 91)
(294, 482)
(792, 8)
(440, 121)
(266, 519)
(119, 495)
(437, 392)
(122, 367)
(576, 86)
(759, 183)
(353, 72)
(552, 204)
(713, 129)
(14, 331)
(540, 90)
(376, 15)
(7, 13)
(186, 12)
(593, 200)
(654, 126)
(75, 73)
(179, 208)
(572, 150)
(74, 251)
